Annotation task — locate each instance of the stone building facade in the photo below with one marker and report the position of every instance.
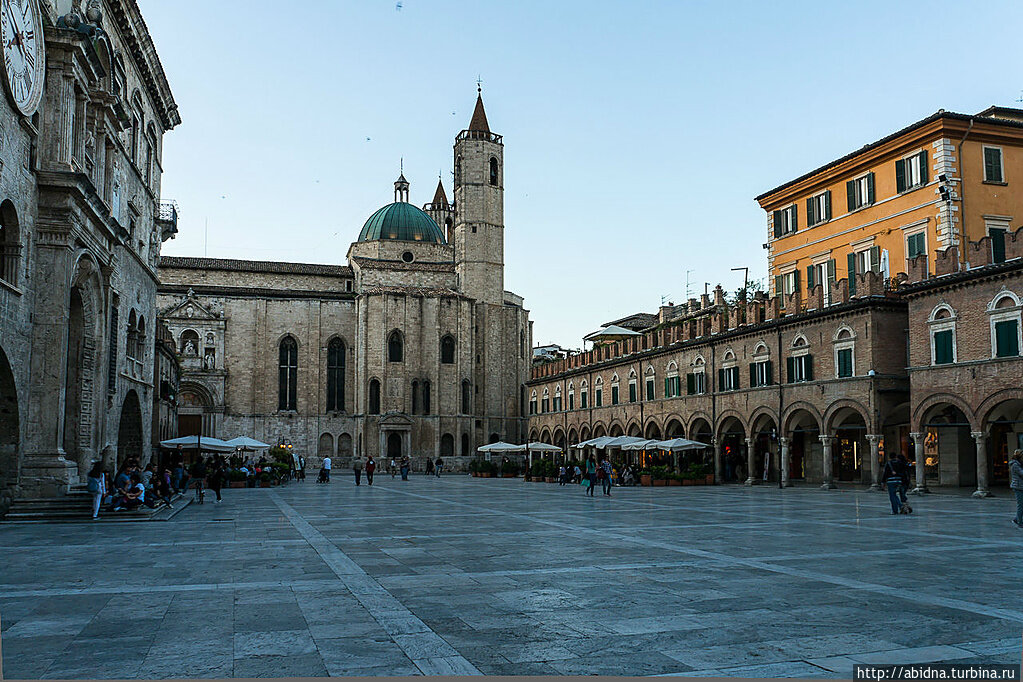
(413, 348)
(818, 389)
(82, 227)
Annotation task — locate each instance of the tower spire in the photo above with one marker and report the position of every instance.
(479, 115)
(401, 185)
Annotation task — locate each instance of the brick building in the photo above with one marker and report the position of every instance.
(81, 228)
(412, 348)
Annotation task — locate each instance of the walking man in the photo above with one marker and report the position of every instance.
(591, 475)
(357, 466)
(894, 470)
(605, 467)
(1016, 483)
(394, 468)
(371, 466)
(326, 469)
(438, 465)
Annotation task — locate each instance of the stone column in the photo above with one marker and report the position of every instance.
(718, 464)
(383, 444)
(751, 473)
(918, 448)
(875, 464)
(980, 437)
(829, 476)
(783, 464)
(66, 111)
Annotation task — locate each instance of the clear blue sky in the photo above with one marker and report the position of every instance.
(636, 133)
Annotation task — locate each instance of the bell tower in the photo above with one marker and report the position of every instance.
(479, 209)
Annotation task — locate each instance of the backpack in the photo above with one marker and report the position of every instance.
(93, 485)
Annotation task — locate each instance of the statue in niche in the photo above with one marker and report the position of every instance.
(190, 349)
(209, 360)
(211, 339)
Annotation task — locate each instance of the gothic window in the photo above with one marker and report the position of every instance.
(942, 324)
(374, 396)
(336, 375)
(10, 247)
(799, 365)
(447, 350)
(466, 397)
(130, 341)
(447, 445)
(426, 396)
(395, 347)
(415, 397)
(845, 346)
(532, 403)
(287, 386)
(140, 347)
(493, 171)
(1004, 317)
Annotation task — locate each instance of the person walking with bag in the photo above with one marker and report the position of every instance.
(357, 466)
(894, 474)
(97, 486)
(371, 466)
(591, 475)
(1016, 483)
(605, 479)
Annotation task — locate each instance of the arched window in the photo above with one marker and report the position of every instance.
(633, 387)
(190, 343)
(598, 392)
(447, 445)
(649, 382)
(374, 396)
(942, 323)
(447, 350)
(426, 396)
(395, 347)
(728, 373)
(532, 403)
(696, 382)
(140, 347)
(10, 244)
(415, 397)
(129, 341)
(493, 171)
(584, 395)
(761, 370)
(287, 386)
(545, 402)
(799, 365)
(1004, 316)
(672, 382)
(845, 346)
(336, 375)
(466, 397)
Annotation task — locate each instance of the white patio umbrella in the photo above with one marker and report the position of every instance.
(594, 442)
(679, 445)
(641, 445)
(620, 442)
(202, 443)
(499, 446)
(246, 443)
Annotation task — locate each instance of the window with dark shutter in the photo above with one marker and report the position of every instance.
(845, 363)
(1006, 339)
(790, 370)
(943, 354)
(993, 165)
(632, 393)
(997, 245)
(649, 389)
(850, 196)
(690, 384)
(900, 176)
(614, 395)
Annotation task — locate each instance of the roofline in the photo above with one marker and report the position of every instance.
(135, 32)
(236, 265)
(937, 116)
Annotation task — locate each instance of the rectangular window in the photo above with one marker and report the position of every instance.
(632, 392)
(786, 221)
(545, 405)
(728, 377)
(583, 400)
(532, 407)
(760, 374)
(649, 389)
(800, 368)
(818, 209)
(997, 244)
(911, 172)
(823, 275)
(790, 283)
(860, 192)
(672, 386)
(599, 397)
(571, 401)
(993, 171)
(1007, 339)
(557, 403)
(845, 363)
(943, 354)
(614, 395)
(700, 383)
(916, 245)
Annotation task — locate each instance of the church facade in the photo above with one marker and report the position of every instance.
(412, 349)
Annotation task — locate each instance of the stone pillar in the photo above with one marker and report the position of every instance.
(66, 110)
(383, 444)
(718, 464)
(829, 476)
(980, 437)
(783, 464)
(918, 448)
(751, 473)
(875, 464)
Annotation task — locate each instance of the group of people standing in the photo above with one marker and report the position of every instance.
(134, 486)
(588, 473)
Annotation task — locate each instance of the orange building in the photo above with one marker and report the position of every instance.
(940, 182)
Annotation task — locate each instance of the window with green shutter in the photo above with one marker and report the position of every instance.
(598, 398)
(943, 350)
(845, 366)
(993, 165)
(916, 245)
(614, 395)
(690, 384)
(851, 270)
(649, 389)
(632, 393)
(997, 245)
(583, 397)
(1007, 339)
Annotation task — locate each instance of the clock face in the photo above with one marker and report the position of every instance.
(24, 57)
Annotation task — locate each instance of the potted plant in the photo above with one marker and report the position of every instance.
(236, 479)
(550, 471)
(646, 477)
(264, 480)
(659, 475)
(509, 469)
(674, 479)
(474, 468)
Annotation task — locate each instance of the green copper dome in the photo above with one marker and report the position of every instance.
(403, 222)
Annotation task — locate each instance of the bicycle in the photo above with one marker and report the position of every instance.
(200, 492)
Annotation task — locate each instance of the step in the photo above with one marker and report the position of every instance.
(83, 513)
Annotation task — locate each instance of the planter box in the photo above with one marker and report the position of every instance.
(660, 481)
(646, 479)
(674, 481)
(551, 479)
(507, 475)
(485, 474)
(710, 479)
(238, 484)
(264, 484)
(689, 481)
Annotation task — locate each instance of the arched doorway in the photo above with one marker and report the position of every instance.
(803, 431)
(949, 452)
(674, 429)
(10, 425)
(344, 446)
(73, 378)
(194, 410)
(394, 445)
(1003, 425)
(129, 430)
(850, 451)
(732, 436)
(764, 433)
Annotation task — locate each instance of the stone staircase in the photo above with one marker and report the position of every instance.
(76, 506)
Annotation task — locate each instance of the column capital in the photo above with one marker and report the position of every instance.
(978, 435)
(783, 441)
(918, 437)
(826, 440)
(874, 438)
(750, 442)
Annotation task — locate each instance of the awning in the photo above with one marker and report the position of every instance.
(204, 443)
(678, 445)
(246, 443)
(499, 446)
(620, 442)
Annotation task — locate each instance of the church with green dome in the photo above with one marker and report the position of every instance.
(411, 349)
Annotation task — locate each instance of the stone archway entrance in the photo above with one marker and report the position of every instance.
(129, 429)
(395, 436)
(394, 445)
(10, 425)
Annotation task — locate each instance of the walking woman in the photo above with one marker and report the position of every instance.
(591, 475)
(1016, 483)
(217, 479)
(97, 486)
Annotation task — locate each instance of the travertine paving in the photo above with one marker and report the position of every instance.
(465, 576)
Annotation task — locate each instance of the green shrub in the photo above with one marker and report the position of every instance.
(235, 475)
(659, 473)
(510, 467)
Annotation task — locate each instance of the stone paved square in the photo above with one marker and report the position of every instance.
(467, 576)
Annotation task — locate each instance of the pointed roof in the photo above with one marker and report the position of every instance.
(439, 197)
(479, 116)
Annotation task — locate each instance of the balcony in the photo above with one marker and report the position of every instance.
(167, 219)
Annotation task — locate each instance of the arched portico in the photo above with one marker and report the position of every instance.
(801, 438)
(763, 451)
(129, 431)
(10, 425)
(731, 441)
